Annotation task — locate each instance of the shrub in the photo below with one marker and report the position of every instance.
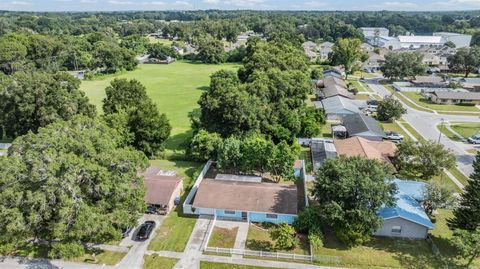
(66, 250)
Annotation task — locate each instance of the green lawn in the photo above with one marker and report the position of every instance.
(441, 236)
(445, 131)
(327, 130)
(459, 175)
(393, 126)
(175, 88)
(215, 265)
(381, 252)
(360, 96)
(162, 41)
(466, 129)
(422, 101)
(223, 237)
(41, 251)
(102, 257)
(444, 179)
(174, 232)
(259, 239)
(158, 262)
(411, 130)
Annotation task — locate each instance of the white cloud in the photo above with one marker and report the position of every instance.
(88, 1)
(20, 3)
(246, 3)
(182, 3)
(315, 4)
(115, 2)
(399, 5)
(157, 3)
(214, 2)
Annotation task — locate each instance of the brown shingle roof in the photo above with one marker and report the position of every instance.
(247, 196)
(357, 146)
(159, 189)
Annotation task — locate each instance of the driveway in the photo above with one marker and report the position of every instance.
(425, 123)
(134, 258)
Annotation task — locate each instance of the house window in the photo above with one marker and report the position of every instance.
(228, 212)
(397, 229)
(272, 216)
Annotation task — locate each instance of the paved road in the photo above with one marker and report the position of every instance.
(425, 123)
(133, 259)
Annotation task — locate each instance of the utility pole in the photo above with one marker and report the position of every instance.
(440, 130)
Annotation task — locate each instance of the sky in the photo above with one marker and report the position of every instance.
(120, 5)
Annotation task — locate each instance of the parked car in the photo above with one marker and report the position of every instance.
(145, 230)
(390, 135)
(126, 231)
(474, 139)
(372, 102)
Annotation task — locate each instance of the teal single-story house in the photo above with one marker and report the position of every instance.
(247, 201)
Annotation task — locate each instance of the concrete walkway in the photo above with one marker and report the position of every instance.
(190, 259)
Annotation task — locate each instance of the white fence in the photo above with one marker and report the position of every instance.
(187, 205)
(274, 255)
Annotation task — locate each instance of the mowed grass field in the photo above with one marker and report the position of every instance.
(175, 88)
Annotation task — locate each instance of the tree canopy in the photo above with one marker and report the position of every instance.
(70, 183)
(31, 101)
(149, 127)
(267, 96)
(402, 65)
(466, 60)
(422, 159)
(350, 191)
(390, 109)
(467, 215)
(347, 52)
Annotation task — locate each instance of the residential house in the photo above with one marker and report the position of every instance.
(245, 198)
(322, 149)
(374, 62)
(367, 47)
(470, 84)
(454, 97)
(310, 49)
(358, 146)
(162, 189)
(363, 126)
(337, 107)
(407, 218)
(324, 50)
(332, 86)
(429, 82)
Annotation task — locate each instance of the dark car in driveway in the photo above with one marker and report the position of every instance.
(145, 230)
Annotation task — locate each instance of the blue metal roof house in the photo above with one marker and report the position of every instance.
(407, 219)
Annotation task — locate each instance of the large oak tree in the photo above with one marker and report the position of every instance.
(70, 183)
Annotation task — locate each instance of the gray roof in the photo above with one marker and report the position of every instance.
(338, 105)
(475, 96)
(336, 90)
(359, 124)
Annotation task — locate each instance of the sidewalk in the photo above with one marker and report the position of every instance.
(264, 263)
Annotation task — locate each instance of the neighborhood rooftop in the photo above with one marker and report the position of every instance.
(406, 207)
(474, 96)
(357, 146)
(362, 125)
(159, 188)
(247, 196)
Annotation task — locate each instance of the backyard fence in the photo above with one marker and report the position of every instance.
(274, 255)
